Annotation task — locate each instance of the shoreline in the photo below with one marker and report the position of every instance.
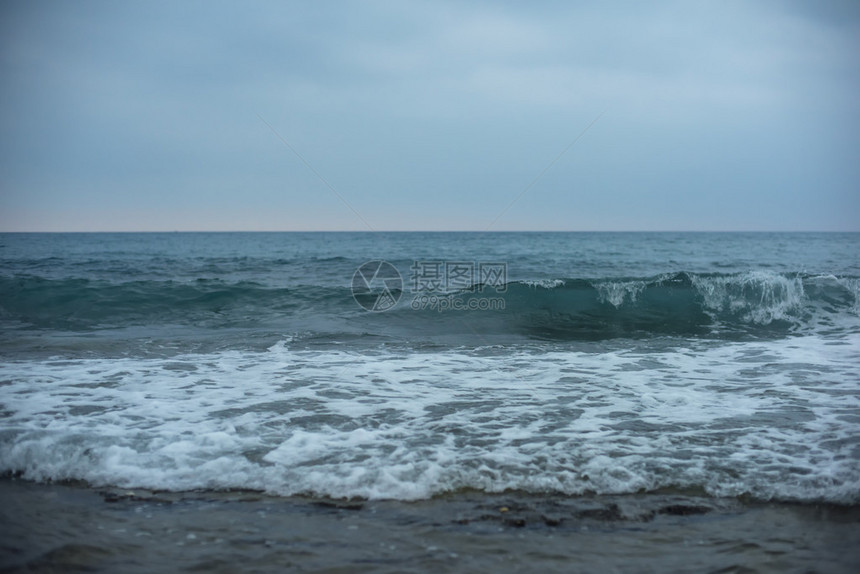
(75, 527)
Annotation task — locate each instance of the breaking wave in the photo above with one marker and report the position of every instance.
(750, 303)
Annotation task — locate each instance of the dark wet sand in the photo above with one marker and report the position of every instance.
(73, 528)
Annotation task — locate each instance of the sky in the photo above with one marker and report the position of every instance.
(430, 115)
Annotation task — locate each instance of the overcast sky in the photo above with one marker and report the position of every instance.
(429, 115)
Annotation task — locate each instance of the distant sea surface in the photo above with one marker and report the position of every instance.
(543, 363)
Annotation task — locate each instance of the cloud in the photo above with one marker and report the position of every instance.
(151, 110)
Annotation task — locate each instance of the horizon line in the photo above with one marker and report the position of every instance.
(443, 231)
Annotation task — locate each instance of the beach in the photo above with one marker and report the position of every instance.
(69, 528)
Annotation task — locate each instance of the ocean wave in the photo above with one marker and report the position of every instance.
(728, 418)
(86, 304)
(751, 303)
(740, 304)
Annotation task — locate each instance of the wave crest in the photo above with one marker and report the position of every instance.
(757, 302)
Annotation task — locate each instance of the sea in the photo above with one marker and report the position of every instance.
(402, 368)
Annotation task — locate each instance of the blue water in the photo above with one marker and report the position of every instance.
(545, 362)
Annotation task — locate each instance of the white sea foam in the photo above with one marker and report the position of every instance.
(774, 419)
(543, 283)
(757, 296)
(618, 292)
(851, 284)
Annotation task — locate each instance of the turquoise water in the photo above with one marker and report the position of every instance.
(543, 362)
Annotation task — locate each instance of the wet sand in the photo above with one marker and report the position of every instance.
(74, 528)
